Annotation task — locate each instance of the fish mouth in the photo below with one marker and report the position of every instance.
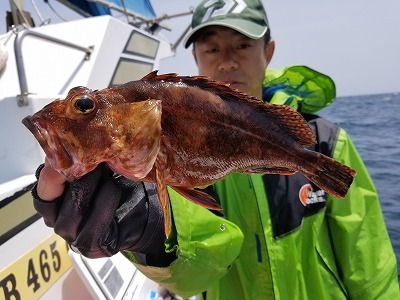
(57, 155)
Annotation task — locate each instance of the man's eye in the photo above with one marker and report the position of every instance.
(244, 46)
(212, 50)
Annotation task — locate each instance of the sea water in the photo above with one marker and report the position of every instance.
(373, 123)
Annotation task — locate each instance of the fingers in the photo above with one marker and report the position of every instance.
(99, 236)
(77, 203)
(98, 214)
(51, 183)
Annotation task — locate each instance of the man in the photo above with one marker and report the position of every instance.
(281, 238)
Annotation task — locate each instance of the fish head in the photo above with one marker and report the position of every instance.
(89, 127)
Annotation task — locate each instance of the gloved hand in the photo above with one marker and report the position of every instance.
(103, 213)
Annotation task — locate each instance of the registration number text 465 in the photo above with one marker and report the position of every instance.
(32, 274)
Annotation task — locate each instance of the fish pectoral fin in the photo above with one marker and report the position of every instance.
(137, 135)
(197, 197)
(269, 170)
(163, 198)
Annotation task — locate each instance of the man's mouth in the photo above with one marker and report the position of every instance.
(234, 84)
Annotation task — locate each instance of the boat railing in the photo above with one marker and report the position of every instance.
(22, 99)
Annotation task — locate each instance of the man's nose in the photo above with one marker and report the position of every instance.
(227, 62)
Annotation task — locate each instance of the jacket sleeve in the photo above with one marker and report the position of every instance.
(364, 254)
(206, 245)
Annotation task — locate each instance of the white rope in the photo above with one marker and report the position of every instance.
(3, 56)
(5, 37)
(3, 50)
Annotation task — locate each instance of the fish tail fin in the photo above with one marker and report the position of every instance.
(332, 176)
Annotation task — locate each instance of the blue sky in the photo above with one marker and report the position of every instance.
(355, 42)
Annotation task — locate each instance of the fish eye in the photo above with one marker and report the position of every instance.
(84, 104)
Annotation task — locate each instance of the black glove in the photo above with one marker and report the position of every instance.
(103, 213)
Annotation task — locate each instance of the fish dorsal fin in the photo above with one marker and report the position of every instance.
(151, 75)
(202, 82)
(292, 122)
(286, 117)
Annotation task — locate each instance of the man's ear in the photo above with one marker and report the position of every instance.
(194, 55)
(269, 51)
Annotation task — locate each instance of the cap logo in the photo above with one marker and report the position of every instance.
(230, 6)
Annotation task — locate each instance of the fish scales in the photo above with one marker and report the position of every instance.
(180, 131)
(204, 128)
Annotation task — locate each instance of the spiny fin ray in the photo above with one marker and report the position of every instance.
(286, 117)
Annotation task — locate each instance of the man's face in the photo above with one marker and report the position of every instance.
(228, 56)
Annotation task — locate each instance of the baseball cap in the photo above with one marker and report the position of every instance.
(245, 16)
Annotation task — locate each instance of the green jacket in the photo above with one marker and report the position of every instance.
(339, 250)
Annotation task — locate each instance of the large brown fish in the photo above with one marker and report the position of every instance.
(184, 132)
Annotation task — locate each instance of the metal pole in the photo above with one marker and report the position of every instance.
(18, 6)
(23, 97)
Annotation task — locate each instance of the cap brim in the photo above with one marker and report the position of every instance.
(249, 29)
